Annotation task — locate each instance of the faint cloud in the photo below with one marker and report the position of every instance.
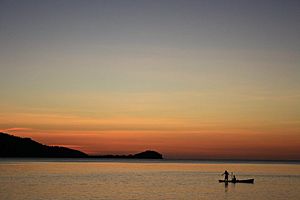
(67, 145)
(16, 129)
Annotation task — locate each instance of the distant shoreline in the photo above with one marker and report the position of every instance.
(130, 160)
(17, 147)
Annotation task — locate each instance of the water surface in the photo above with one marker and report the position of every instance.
(144, 180)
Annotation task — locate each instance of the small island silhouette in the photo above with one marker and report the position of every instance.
(13, 146)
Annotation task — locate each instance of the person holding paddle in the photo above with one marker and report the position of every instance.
(226, 175)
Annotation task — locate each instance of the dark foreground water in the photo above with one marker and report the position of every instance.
(141, 180)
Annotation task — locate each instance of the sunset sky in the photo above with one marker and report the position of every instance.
(190, 79)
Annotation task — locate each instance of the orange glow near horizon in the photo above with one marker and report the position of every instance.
(205, 133)
(173, 144)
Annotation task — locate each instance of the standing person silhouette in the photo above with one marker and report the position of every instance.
(226, 175)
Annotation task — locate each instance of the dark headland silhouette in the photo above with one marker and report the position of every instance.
(13, 146)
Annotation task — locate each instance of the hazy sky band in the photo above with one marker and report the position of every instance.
(197, 68)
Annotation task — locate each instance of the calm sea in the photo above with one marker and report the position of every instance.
(141, 180)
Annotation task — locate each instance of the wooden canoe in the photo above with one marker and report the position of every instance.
(238, 181)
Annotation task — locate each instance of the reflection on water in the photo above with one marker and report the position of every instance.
(144, 180)
(226, 186)
(231, 188)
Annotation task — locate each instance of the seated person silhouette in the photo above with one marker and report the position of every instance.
(233, 179)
